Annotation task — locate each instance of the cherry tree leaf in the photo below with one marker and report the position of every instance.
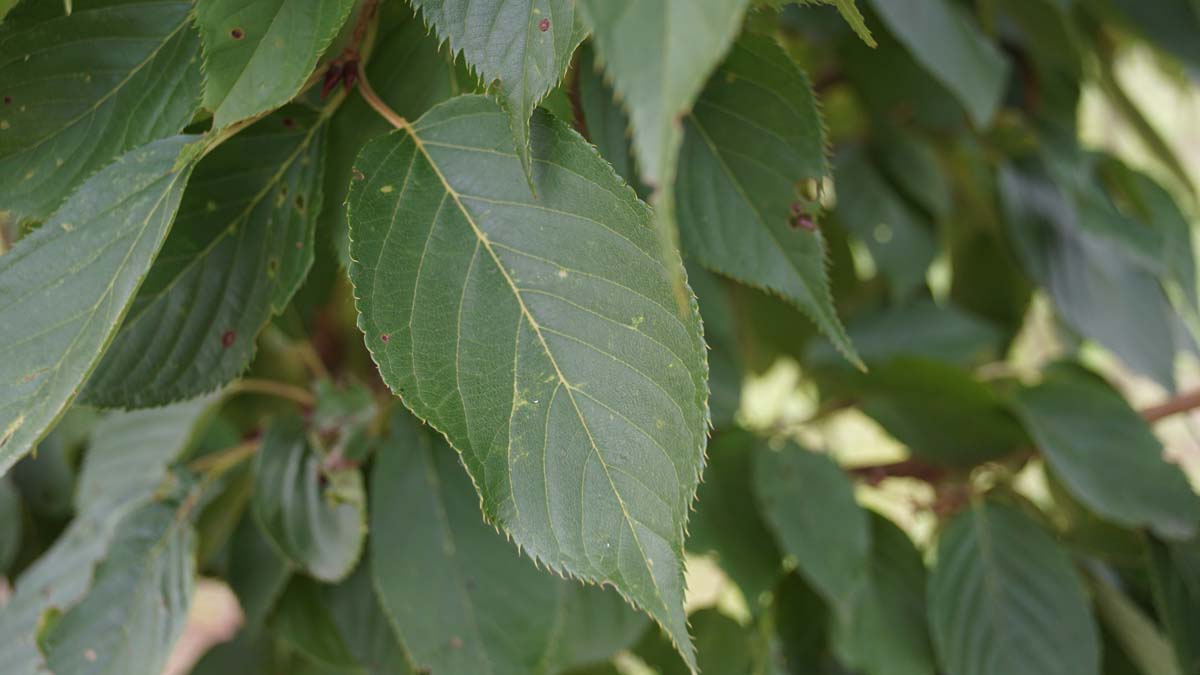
(257, 55)
(65, 288)
(524, 46)
(542, 336)
(79, 90)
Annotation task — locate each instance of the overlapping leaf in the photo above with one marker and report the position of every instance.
(411, 74)
(135, 611)
(756, 133)
(80, 90)
(941, 37)
(65, 288)
(460, 597)
(240, 248)
(809, 504)
(658, 53)
(1004, 598)
(1106, 455)
(542, 336)
(313, 514)
(257, 55)
(524, 46)
(112, 487)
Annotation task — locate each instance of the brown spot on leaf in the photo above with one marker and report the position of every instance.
(385, 337)
(358, 175)
(237, 33)
(7, 100)
(455, 642)
(289, 122)
(544, 25)
(228, 338)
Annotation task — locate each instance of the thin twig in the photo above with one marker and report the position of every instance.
(216, 463)
(1174, 405)
(271, 388)
(373, 100)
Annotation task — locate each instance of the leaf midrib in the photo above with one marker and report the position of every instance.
(486, 243)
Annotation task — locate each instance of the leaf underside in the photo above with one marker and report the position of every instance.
(542, 336)
(85, 264)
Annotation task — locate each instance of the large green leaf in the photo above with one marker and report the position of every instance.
(886, 632)
(542, 336)
(756, 133)
(313, 513)
(258, 55)
(941, 412)
(658, 54)
(130, 619)
(240, 247)
(730, 525)
(80, 90)
(460, 597)
(1005, 599)
(411, 74)
(1175, 580)
(943, 39)
(1106, 455)
(65, 288)
(808, 502)
(524, 46)
(1097, 285)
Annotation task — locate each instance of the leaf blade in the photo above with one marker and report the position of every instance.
(87, 263)
(545, 269)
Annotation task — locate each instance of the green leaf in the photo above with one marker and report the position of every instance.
(729, 524)
(1106, 455)
(724, 647)
(1004, 599)
(941, 37)
(312, 513)
(302, 619)
(129, 621)
(720, 332)
(66, 287)
(130, 452)
(850, 14)
(523, 46)
(755, 134)
(917, 329)
(1098, 286)
(887, 633)
(802, 625)
(658, 54)
(257, 574)
(239, 249)
(10, 524)
(1175, 579)
(941, 412)
(355, 610)
(63, 575)
(899, 236)
(808, 502)
(1137, 633)
(258, 56)
(461, 599)
(81, 90)
(606, 123)
(542, 337)
(411, 74)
